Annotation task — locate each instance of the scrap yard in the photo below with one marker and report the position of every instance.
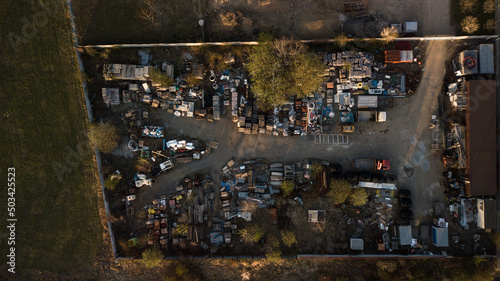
(357, 167)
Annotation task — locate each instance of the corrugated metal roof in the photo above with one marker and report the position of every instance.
(367, 101)
(486, 215)
(486, 60)
(404, 232)
(440, 236)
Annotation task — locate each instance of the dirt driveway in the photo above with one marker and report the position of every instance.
(404, 139)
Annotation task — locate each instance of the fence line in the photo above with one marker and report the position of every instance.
(90, 117)
(250, 43)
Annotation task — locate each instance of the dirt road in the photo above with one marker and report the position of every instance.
(404, 139)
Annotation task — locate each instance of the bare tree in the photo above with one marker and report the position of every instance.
(467, 6)
(149, 12)
(287, 49)
(470, 24)
(489, 6)
(389, 34)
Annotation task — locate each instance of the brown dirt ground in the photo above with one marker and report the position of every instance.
(107, 22)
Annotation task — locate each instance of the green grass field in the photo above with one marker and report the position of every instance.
(43, 125)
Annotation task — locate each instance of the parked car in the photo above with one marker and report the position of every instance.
(406, 214)
(404, 193)
(405, 203)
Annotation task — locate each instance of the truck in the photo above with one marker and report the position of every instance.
(346, 128)
(371, 165)
(372, 101)
(373, 116)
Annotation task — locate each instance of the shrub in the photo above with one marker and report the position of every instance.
(251, 234)
(490, 24)
(152, 257)
(181, 269)
(287, 188)
(288, 238)
(467, 6)
(470, 24)
(489, 6)
(274, 256)
(341, 40)
(389, 34)
(112, 181)
(160, 77)
(104, 136)
(316, 169)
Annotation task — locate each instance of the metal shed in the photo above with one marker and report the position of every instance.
(486, 59)
(357, 244)
(404, 235)
(440, 236)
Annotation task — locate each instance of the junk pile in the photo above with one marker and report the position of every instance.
(157, 223)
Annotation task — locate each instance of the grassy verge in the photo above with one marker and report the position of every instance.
(43, 125)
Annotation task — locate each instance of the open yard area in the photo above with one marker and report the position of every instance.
(153, 21)
(44, 124)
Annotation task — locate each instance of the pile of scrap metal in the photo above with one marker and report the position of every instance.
(382, 206)
(157, 223)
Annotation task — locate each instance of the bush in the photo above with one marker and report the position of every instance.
(274, 256)
(489, 6)
(490, 24)
(359, 197)
(181, 269)
(152, 257)
(316, 169)
(467, 6)
(339, 191)
(389, 34)
(251, 234)
(104, 136)
(341, 40)
(112, 181)
(470, 24)
(288, 238)
(287, 188)
(160, 77)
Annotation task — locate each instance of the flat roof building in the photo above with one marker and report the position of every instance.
(481, 138)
